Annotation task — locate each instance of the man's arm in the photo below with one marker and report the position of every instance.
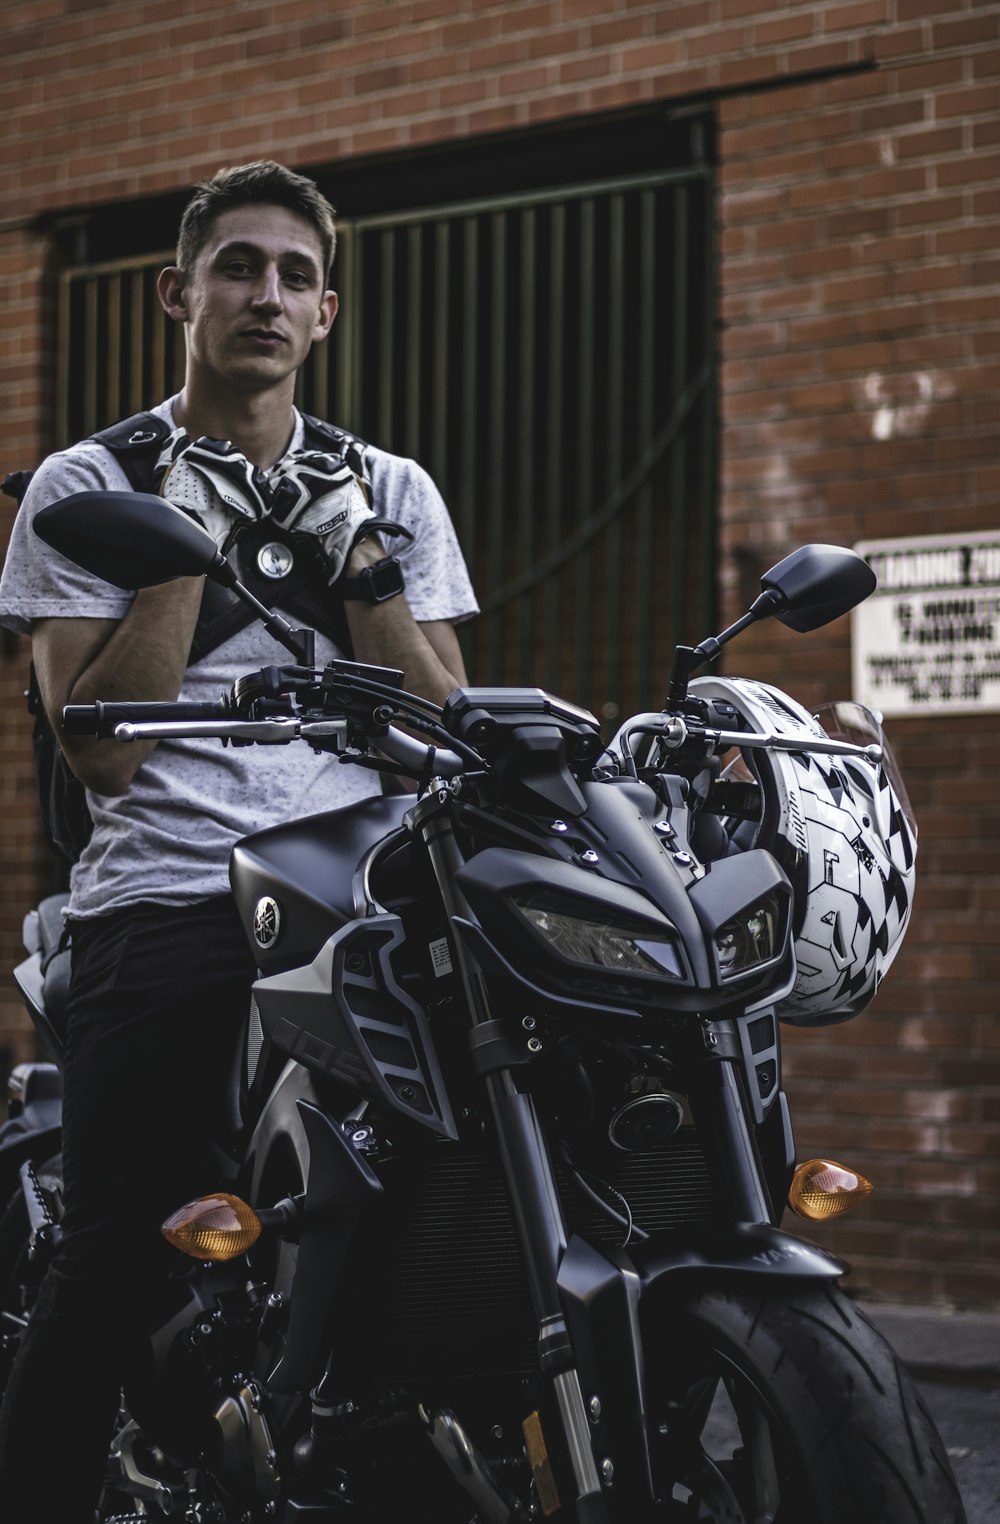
(142, 657)
(387, 635)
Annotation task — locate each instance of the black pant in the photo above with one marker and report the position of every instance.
(157, 1000)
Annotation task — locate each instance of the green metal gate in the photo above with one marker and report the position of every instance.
(550, 359)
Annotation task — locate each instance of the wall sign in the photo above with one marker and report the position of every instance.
(928, 640)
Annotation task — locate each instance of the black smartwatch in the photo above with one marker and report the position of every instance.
(376, 584)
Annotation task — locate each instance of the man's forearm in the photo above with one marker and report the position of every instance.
(387, 635)
(142, 657)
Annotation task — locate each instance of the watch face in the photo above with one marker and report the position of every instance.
(384, 580)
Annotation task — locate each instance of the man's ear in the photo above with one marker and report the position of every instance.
(327, 312)
(170, 288)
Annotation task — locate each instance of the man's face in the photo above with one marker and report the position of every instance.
(256, 300)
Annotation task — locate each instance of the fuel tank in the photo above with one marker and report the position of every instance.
(293, 882)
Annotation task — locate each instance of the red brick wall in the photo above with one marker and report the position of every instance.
(860, 271)
(859, 226)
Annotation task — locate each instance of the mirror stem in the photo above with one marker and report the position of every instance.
(688, 659)
(300, 643)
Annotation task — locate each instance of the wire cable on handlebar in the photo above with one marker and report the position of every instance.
(439, 734)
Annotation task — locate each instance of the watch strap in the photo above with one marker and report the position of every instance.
(376, 584)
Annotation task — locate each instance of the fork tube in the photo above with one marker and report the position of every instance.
(531, 1189)
(524, 1154)
(534, 1197)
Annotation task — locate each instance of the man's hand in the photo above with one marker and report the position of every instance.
(319, 497)
(213, 482)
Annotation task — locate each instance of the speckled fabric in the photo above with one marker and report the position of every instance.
(168, 839)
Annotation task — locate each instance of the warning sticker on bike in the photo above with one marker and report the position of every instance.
(441, 957)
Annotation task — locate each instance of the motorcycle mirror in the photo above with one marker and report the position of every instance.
(136, 540)
(131, 539)
(809, 588)
(814, 585)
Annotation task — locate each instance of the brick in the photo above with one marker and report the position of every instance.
(788, 28)
(859, 15)
(985, 63)
(969, 168)
(965, 31)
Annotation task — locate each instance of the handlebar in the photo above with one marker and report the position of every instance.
(220, 721)
(673, 732)
(395, 745)
(102, 720)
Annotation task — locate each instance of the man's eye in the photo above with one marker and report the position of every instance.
(238, 267)
(297, 278)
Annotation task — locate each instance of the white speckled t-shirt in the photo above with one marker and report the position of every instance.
(168, 838)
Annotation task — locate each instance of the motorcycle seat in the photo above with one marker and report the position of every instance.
(53, 938)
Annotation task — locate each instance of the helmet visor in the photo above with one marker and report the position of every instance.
(847, 721)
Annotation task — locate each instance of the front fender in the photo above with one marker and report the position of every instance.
(734, 1250)
(609, 1297)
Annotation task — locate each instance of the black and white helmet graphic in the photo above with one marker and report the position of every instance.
(843, 830)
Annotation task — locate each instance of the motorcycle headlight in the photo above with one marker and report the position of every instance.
(750, 939)
(625, 947)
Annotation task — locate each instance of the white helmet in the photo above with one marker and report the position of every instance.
(843, 831)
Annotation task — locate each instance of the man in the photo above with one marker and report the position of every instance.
(161, 968)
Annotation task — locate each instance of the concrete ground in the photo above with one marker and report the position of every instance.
(955, 1358)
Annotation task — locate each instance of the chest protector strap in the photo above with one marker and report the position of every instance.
(277, 568)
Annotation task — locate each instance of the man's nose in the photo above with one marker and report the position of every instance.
(267, 294)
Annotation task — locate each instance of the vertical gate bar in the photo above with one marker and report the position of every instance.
(469, 391)
(179, 357)
(317, 377)
(555, 487)
(156, 322)
(616, 403)
(496, 441)
(320, 363)
(525, 443)
(137, 345)
(708, 497)
(386, 335)
(89, 367)
(346, 400)
(648, 575)
(441, 336)
(586, 647)
(413, 401)
(63, 421)
(679, 508)
(113, 365)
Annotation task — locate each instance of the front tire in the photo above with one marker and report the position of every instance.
(790, 1407)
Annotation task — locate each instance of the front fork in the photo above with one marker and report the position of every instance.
(532, 1190)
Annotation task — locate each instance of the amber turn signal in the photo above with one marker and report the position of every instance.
(217, 1227)
(821, 1189)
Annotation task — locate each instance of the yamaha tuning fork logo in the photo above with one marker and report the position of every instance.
(266, 922)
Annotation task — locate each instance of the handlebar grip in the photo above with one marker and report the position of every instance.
(100, 719)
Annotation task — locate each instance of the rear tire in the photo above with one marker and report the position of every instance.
(789, 1406)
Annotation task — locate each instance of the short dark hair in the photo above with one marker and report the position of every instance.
(264, 182)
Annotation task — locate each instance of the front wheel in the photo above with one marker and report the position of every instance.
(789, 1408)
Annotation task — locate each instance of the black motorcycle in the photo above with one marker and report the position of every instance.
(496, 1231)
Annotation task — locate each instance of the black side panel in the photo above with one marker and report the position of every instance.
(346, 1015)
(308, 867)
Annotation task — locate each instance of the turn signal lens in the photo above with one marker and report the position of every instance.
(217, 1227)
(821, 1189)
